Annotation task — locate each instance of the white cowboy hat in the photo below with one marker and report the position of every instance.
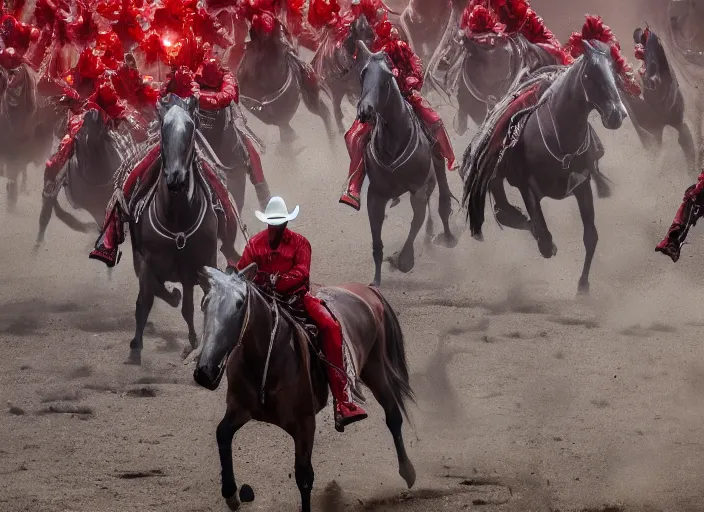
(276, 212)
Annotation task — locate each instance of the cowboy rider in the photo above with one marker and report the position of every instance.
(283, 260)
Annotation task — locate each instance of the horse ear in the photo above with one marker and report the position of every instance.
(637, 34)
(192, 104)
(248, 272)
(162, 105)
(588, 48)
(362, 51)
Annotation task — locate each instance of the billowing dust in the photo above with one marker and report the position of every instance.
(528, 399)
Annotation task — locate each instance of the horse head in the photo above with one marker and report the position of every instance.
(360, 30)
(224, 312)
(654, 57)
(377, 82)
(598, 79)
(178, 119)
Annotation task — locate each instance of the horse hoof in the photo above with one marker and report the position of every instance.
(233, 503)
(583, 288)
(444, 240)
(135, 357)
(186, 351)
(546, 247)
(394, 202)
(478, 236)
(406, 262)
(246, 494)
(376, 283)
(408, 473)
(174, 298)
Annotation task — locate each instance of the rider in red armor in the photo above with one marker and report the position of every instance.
(93, 88)
(218, 88)
(181, 82)
(670, 245)
(16, 37)
(283, 260)
(407, 70)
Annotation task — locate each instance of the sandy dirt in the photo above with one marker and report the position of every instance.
(528, 399)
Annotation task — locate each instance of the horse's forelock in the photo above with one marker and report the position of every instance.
(178, 121)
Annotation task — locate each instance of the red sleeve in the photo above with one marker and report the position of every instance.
(299, 275)
(247, 258)
(215, 100)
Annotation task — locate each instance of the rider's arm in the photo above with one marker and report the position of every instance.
(247, 258)
(299, 275)
(65, 149)
(215, 100)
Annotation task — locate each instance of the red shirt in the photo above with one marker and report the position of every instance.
(290, 260)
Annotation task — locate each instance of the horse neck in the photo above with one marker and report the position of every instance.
(176, 212)
(257, 329)
(394, 124)
(569, 109)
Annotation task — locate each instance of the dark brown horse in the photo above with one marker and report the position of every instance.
(273, 79)
(336, 66)
(174, 228)
(544, 150)
(18, 105)
(400, 157)
(274, 374)
(662, 103)
(88, 176)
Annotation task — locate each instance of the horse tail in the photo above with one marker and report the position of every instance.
(476, 186)
(395, 360)
(68, 219)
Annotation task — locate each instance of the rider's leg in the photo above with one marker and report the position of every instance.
(356, 140)
(256, 174)
(433, 121)
(670, 245)
(228, 233)
(346, 412)
(107, 247)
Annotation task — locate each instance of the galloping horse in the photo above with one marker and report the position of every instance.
(483, 68)
(662, 104)
(18, 104)
(273, 79)
(544, 149)
(274, 373)
(424, 22)
(400, 157)
(175, 232)
(89, 173)
(337, 66)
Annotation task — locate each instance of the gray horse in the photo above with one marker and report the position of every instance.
(400, 157)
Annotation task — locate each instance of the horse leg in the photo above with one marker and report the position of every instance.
(687, 144)
(44, 218)
(286, 134)
(539, 226)
(187, 313)
(234, 420)
(406, 258)
(337, 98)
(429, 224)
(172, 298)
(376, 210)
(585, 201)
(148, 284)
(303, 438)
(507, 214)
(447, 239)
(374, 376)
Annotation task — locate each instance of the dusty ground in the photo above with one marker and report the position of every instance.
(528, 399)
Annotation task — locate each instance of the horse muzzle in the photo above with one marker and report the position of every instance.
(614, 118)
(175, 182)
(208, 376)
(365, 113)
